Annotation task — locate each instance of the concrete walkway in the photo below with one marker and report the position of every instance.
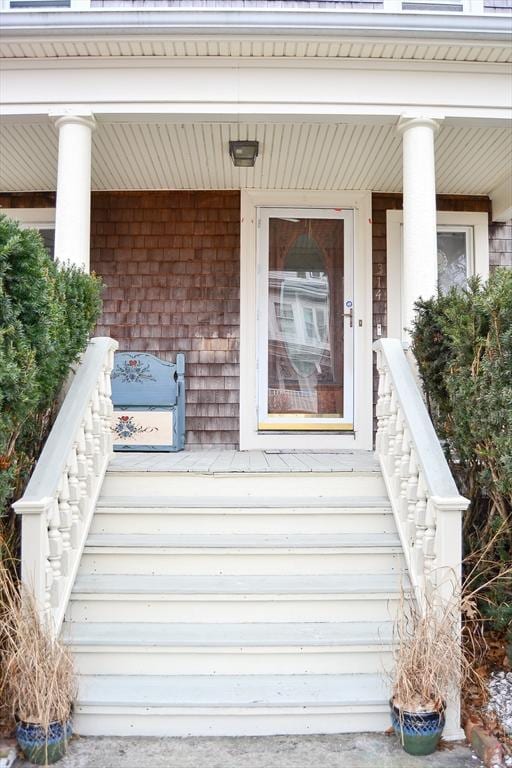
(344, 751)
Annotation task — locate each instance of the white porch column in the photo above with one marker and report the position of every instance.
(73, 208)
(419, 276)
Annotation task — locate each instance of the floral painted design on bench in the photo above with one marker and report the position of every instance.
(133, 370)
(148, 395)
(126, 427)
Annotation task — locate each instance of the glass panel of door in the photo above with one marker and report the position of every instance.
(305, 319)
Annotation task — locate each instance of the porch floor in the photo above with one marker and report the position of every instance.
(222, 461)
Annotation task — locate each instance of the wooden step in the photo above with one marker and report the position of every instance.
(313, 485)
(234, 598)
(230, 704)
(214, 649)
(243, 514)
(242, 554)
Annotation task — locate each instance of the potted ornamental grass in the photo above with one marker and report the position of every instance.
(37, 678)
(429, 664)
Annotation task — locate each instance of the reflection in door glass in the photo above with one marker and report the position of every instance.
(452, 260)
(305, 292)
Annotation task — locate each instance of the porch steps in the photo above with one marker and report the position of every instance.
(243, 604)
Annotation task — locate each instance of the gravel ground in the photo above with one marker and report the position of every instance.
(344, 751)
(500, 702)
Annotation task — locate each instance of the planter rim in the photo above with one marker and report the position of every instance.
(34, 722)
(417, 713)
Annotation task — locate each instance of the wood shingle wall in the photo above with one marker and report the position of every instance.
(359, 5)
(170, 262)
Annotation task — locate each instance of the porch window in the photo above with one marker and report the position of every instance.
(34, 4)
(48, 237)
(42, 219)
(285, 318)
(462, 251)
(455, 261)
(309, 324)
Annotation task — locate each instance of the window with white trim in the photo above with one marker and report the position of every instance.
(42, 219)
(434, 6)
(455, 260)
(462, 251)
(28, 5)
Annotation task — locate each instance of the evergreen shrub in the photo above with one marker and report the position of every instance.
(462, 342)
(47, 313)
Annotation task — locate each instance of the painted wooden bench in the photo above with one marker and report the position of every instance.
(148, 395)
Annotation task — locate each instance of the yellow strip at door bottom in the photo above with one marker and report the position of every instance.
(284, 426)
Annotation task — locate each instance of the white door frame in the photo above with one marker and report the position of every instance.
(362, 436)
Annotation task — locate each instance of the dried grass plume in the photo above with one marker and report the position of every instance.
(429, 661)
(37, 679)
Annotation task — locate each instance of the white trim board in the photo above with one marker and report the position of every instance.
(278, 88)
(394, 219)
(362, 437)
(32, 218)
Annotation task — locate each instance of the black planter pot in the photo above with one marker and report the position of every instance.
(419, 732)
(43, 746)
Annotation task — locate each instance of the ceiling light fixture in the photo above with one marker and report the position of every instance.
(243, 153)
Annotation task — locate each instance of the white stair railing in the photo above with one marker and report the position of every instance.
(426, 503)
(60, 498)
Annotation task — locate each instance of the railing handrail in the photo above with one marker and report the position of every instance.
(59, 502)
(438, 477)
(47, 473)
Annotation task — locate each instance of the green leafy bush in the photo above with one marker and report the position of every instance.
(47, 313)
(463, 345)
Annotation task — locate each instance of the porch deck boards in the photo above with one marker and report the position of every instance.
(223, 461)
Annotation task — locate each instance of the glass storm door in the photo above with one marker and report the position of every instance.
(305, 319)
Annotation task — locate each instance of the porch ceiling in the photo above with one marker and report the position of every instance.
(163, 155)
(257, 48)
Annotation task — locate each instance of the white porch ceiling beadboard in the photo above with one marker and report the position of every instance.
(303, 155)
(254, 49)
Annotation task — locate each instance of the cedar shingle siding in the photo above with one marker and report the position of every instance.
(170, 262)
(490, 6)
(500, 244)
(361, 5)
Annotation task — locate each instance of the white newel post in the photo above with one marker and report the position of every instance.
(419, 216)
(73, 208)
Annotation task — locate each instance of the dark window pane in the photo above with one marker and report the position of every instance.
(48, 236)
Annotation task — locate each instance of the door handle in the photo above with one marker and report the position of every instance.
(349, 313)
